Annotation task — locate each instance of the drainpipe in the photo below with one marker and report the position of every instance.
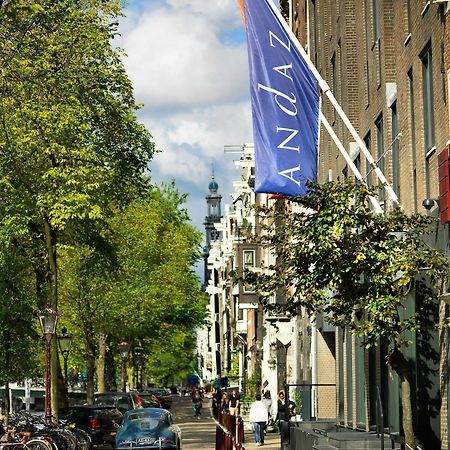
(313, 360)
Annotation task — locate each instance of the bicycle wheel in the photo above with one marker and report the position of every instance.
(69, 438)
(83, 439)
(37, 444)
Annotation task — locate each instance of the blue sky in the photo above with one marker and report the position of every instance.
(187, 60)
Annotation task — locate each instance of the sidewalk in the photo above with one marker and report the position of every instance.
(195, 434)
(201, 434)
(271, 441)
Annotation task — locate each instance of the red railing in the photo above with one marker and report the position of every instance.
(229, 431)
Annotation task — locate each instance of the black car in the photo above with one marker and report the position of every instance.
(123, 401)
(100, 422)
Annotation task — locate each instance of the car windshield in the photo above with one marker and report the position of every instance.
(144, 420)
(111, 400)
(148, 401)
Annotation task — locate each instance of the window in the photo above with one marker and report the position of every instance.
(357, 162)
(368, 143)
(408, 19)
(395, 151)
(428, 113)
(366, 48)
(377, 37)
(334, 81)
(380, 148)
(413, 137)
(240, 313)
(345, 172)
(315, 31)
(248, 258)
(376, 20)
(427, 85)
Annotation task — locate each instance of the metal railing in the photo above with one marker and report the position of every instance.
(286, 425)
(229, 430)
(380, 418)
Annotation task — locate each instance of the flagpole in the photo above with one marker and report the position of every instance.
(349, 161)
(327, 91)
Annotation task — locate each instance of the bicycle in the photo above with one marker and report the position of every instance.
(23, 441)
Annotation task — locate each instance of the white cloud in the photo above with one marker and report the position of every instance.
(176, 58)
(188, 65)
(191, 142)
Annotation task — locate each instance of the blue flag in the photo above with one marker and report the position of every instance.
(285, 105)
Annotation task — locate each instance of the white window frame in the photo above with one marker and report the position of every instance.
(245, 267)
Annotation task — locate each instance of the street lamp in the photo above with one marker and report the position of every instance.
(124, 347)
(138, 356)
(64, 343)
(48, 319)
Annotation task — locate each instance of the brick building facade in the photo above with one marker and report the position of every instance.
(387, 62)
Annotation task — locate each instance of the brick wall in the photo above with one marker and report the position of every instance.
(367, 72)
(326, 374)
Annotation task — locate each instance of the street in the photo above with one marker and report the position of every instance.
(201, 434)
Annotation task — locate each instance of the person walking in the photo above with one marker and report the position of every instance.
(258, 417)
(267, 400)
(225, 404)
(234, 401)
(198, 403)
(282, 414)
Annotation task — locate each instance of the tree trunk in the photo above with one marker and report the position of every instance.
(403, 369)
(101, 364)
(110, 371)
(90, 388)
(6, 405)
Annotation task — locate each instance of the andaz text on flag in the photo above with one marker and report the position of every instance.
(285, 104)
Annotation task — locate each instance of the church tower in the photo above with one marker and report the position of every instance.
(213, 216)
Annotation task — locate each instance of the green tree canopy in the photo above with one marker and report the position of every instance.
(70, 143)
(69, 138)
(134, 280)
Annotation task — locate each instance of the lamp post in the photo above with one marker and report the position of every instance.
(124, 347)
(138, 356)
(48, 319)
(64, 343)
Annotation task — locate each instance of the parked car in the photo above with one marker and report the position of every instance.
(147, 429)
(100, 422)
(163, 396)
(123, 401)
(150, 400)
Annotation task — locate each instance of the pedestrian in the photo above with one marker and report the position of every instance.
(267, 400)
(225, 404)
(258, 417)
(234, 403)
(282, 414)
(198, 403)
(217, 401)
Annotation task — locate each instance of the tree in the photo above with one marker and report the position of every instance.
(356, 267)
(18, 335)
(136, 271)
(69, 139)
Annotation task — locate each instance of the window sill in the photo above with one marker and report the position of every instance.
(430, 152)
(408, 38)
